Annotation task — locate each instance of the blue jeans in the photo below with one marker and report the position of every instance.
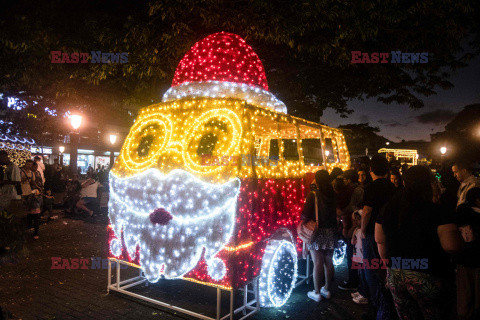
(362, 284)
(380, 298)
(352, 273)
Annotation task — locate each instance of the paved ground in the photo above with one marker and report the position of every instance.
(30, 289)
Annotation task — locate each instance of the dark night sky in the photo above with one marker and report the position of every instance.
(398, 122)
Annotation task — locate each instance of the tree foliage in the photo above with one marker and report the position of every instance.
(462, 134)
(361, 136)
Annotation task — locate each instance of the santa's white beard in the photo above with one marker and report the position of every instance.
(203, 216)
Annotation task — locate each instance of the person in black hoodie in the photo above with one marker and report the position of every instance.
(468, 261)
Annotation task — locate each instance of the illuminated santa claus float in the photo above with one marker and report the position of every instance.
(231, 222)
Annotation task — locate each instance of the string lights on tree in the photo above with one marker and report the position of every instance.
(18, 148)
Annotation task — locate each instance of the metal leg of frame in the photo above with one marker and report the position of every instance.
(219, 302)
(117, 265)
(308, 268)
(109, 283)
(245, 299)
(231, 304)
(247, 308)
(304, 277)
(257, 293)
(141, 275)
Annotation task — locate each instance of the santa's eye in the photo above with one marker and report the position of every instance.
(145, 145)
(207, 144)
(215, 133)
(146, 139)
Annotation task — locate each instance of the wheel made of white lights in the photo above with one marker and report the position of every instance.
(339, 253)
(278, 274)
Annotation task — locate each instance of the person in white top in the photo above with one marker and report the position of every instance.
(463, 172)
(359, 297)
(41, 167)
(88, 194)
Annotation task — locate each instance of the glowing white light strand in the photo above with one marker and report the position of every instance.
(116, 247)
(15, 139)
(339, 253)
(272, 262)
(223, 89)
(216, 269)
(203, 216)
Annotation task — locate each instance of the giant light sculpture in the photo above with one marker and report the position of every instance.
(224, 224)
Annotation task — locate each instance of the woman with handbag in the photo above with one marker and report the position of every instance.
(318, 229)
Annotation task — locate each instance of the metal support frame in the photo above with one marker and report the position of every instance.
(248, 305)
(305, 277)
(251, 306)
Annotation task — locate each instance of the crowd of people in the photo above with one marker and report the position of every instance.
(413, 245)
(32, 187)
(413, 249)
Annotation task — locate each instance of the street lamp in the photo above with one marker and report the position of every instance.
(76, 122)
(61, 149)
(387, 143)
(113, 139)
(443, 150)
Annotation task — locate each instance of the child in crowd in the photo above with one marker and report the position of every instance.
(357, 259)
(72, 195)
(48, 201)
(34, 203)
